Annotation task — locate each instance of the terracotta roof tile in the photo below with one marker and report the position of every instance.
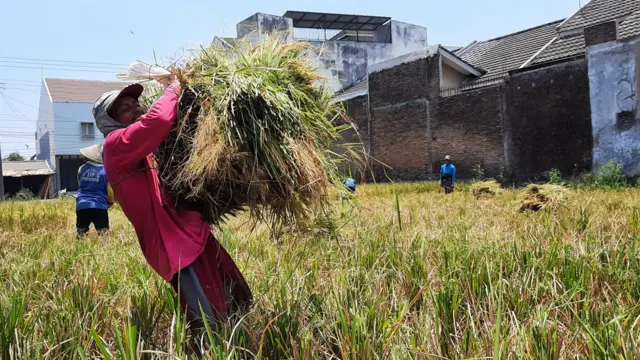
(80, 91)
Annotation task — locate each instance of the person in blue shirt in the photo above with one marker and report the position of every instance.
(447, 175)
(94, 193)
(350, 184)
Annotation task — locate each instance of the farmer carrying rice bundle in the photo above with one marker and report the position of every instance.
(177, 243)
(257, 129)
(246, 129)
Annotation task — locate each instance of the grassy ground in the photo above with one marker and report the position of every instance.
(421, 277)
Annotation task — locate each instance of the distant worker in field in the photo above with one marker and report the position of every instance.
(94, 193)
(176, 242)
(350, 184)
(447, 175)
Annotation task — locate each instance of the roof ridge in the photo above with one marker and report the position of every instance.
(523, 31)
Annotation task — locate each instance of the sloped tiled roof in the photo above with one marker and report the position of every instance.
(501, 55)
(570, 42)
(630, 27)
(562, 48)
(80, 91)
(474, 53)
(597, 11)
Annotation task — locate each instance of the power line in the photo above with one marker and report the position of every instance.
(63, 61)
(25, 104)
(64, 65)
(56, 69)
(16, 111)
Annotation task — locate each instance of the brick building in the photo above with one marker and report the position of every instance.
(517, 105)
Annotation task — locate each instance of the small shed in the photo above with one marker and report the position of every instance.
(36, 176)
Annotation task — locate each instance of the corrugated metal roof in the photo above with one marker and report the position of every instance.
(80, 91)
(630, 27)
(501, 55)
(597, 11)
(26, 168)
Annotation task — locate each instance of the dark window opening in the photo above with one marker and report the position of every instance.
(625, 120)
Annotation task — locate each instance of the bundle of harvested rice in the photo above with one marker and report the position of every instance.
(485, 189)
(255, 130)
(538, 197)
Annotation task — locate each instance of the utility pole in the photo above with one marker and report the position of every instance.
(1, 178)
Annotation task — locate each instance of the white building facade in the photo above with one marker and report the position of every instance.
(65, 125)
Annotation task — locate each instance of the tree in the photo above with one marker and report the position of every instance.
(14, 156)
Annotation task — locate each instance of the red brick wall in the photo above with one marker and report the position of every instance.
(550, 114)
(469, 127)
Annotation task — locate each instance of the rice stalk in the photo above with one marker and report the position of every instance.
(255, 130)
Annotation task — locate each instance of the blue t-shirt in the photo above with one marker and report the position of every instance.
(449, 170)
(92, 192)
(350, 184)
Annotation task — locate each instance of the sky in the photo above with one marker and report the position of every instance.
(90, 39)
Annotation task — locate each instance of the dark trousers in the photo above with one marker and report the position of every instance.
(446, 181)
(98, 217)
(212, 285)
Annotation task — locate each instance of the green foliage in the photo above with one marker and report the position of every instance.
(555, 177)
(14, 156)
(479, 173)
(609, 176)
(24, 194)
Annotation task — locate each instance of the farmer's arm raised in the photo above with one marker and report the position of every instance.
(144, 136)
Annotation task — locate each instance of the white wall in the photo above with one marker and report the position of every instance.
(259, 25)
(449, 76)
(45, 125)
(68, 117)
(344, 63)
(613, 87)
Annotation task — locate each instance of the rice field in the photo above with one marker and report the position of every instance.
(406, 273)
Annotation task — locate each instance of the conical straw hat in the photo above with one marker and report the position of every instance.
(93, 153)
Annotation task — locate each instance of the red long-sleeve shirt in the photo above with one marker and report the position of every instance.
(170, 239)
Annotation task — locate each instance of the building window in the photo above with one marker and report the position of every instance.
(87, 130)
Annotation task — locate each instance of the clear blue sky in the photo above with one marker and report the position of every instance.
(119, 32)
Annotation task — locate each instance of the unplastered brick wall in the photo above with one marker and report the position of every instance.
(399, 100)
(550, 114)
(358, 136)
(356, 109)
(399, 84)
(601, 33)
(400, 148)
(469, 127)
